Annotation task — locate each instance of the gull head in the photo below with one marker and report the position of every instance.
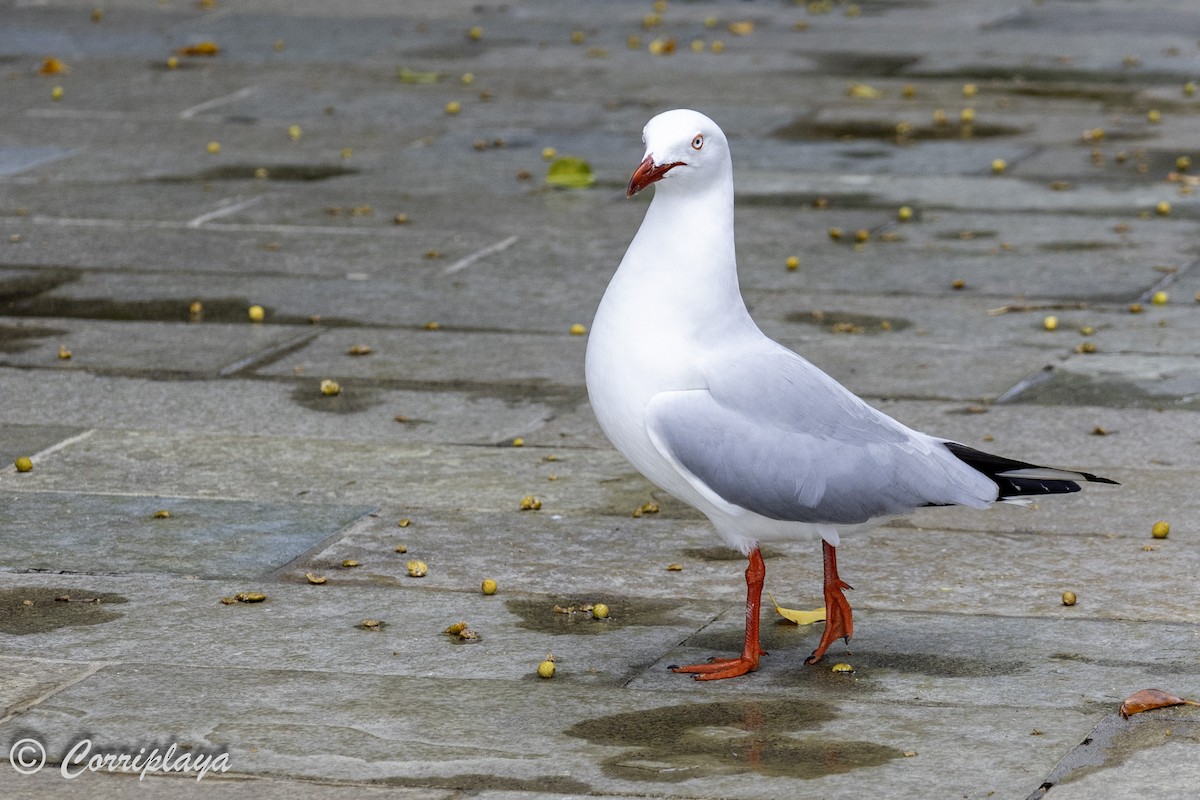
(683, 147)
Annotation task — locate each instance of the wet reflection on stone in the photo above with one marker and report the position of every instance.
(776, 738)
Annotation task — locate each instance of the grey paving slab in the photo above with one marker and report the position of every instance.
(319, 628)
(1117, 750)
(77, 532)
(50, 782)
(27, 682)
(153, 348)
(25, 440)
(365, 411)
(114, 217)
(666, 744)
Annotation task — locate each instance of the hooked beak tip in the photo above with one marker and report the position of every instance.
(647, 173)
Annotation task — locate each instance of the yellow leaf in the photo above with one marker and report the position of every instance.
(798, 617)
(864, 92)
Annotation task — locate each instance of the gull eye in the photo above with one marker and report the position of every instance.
(698, 142)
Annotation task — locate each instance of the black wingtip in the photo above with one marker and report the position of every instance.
(994, 466)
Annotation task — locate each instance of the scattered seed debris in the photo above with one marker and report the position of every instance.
(1069, 598)
(530, 503)
(350, 563)
(315, 579)
(417, 568)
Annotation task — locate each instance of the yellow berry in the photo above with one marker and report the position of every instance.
(1068, 598)
(56, 93)
(1159, 298)
(718, 46)
(468, 78)
(172, 62)
(1154, 115)
(793, 263)
(970, 90)
(488, 586)
(546, 669)
(23, 464)
(1189, 88)
(256, 313)
(967, 116)
(213, 148)
(999, 165)
(578, 330)
(294, 132)
(518, 442)
(862, 235)
(475, 33)
(1050, 323)
(1162, 208)
(453, 107)
(600, 611)
(1161, 529)
(330, 388)
(904, 214)
(1183, 163)
(841, 668)
(549, 154)
(835, 233)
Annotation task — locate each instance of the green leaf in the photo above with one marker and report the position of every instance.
(407, 75)
(571, 173)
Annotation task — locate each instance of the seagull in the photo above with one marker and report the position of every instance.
(766, 445)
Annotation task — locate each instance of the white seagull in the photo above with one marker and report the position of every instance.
(712, 411)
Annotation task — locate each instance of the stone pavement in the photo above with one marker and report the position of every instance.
(971, 680)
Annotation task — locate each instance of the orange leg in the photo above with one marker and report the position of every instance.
(838, 622)
(717, 668)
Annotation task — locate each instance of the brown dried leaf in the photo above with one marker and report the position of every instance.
(206, 48)
(53, 66)
(1150, 699)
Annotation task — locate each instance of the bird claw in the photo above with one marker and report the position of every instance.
(719, 668)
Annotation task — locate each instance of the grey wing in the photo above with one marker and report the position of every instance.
(778, 437)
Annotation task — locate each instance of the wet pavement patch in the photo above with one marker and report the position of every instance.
(703, 740)
(849, 322)
(565, 614)
(1070, 389)
(808, 130)
(348, 401)
(936, 665)
(103, 534)
(264, 172)
(479, 782)
(44, 609)
(15, 339)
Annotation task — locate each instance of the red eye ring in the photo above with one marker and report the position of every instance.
(698, 142)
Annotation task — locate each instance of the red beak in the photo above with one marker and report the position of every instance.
(647, 173)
